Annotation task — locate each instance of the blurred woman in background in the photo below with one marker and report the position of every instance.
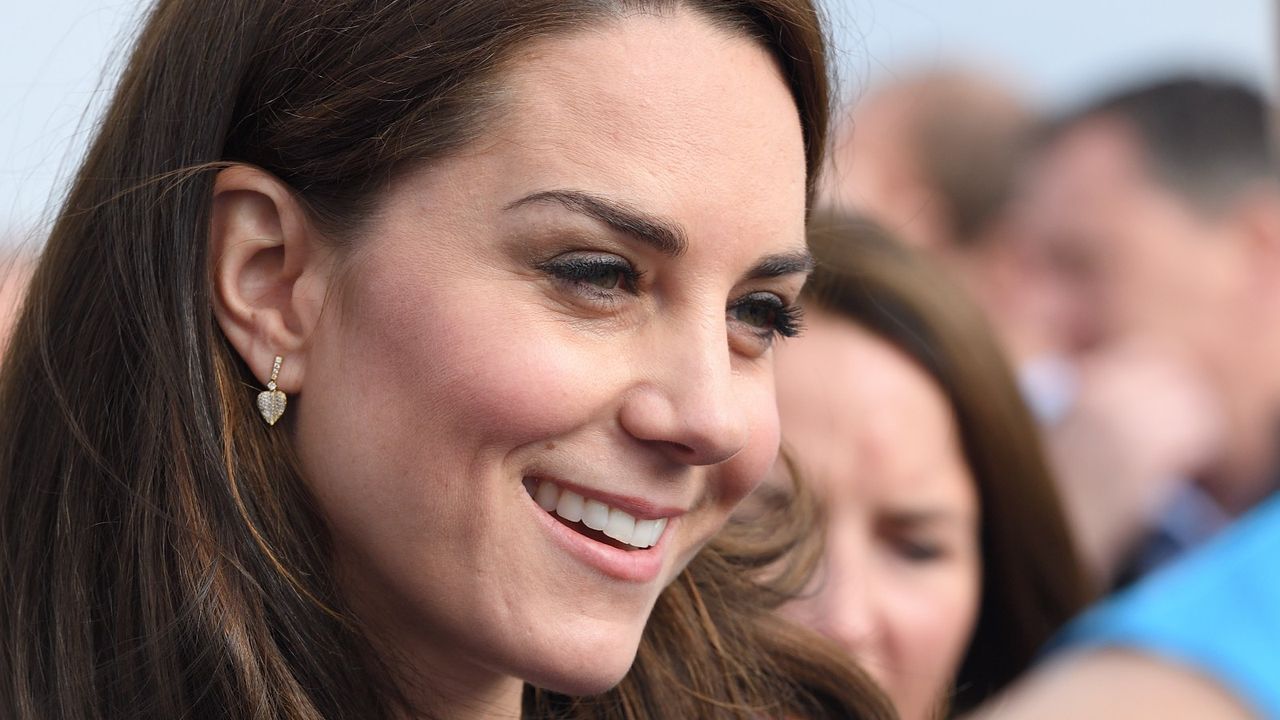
(949, 562)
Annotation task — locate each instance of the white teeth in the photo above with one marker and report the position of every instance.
(595, 515)
(644, 534)
(548, 496)
(621, 526)
(657, 531)
(617, 524)
(570, 505)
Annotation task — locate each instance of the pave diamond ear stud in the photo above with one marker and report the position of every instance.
(271, 402)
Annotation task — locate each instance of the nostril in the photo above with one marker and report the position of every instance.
(699, 452)
(677, 451)
(676, 447)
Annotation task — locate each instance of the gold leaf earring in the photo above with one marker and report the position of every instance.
(271, 401)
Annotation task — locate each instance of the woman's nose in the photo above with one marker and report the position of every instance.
(688, 404)
(847, 601)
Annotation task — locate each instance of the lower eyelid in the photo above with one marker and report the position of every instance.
(581, 292)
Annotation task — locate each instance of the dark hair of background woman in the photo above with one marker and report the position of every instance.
(159, 552)
(1032, 581)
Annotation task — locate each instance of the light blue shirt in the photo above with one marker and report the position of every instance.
(1216, 611)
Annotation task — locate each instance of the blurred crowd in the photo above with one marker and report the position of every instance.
(1041, 370)
(1125, 258)
(1125, 255)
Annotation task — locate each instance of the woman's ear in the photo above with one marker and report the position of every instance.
(270, 272)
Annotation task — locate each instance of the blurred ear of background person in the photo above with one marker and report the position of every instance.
(15, 273)
(1157, 212)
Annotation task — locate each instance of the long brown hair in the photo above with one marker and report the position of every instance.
(161, 556)
(1032, 579)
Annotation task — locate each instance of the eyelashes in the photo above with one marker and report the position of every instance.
(764, 311)
(609, 280)
(596, 275)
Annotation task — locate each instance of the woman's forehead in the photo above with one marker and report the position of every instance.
(669, 98)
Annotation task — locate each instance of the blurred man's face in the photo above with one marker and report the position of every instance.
(1130, 258)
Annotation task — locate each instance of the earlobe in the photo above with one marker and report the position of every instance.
(268, 272)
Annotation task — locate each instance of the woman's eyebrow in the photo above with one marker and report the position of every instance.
(785, 263)
(925, 517)
(667, 237)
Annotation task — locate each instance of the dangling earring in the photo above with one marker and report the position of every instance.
(271, 401)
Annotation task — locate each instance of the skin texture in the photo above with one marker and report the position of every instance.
(874, 434)
(1114, 684)
(453, 361)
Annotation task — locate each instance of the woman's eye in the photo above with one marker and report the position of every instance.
(758, 315)
(767, 314)
(604, 277)
(918, 551)
(594, 272)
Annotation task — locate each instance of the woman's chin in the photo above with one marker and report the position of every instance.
(581, 685)
(581, 671)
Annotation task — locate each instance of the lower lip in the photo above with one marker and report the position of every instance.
(635, 566)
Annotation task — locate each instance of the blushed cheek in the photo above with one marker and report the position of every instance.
(505, 399)
(539, 393)
(483, 366)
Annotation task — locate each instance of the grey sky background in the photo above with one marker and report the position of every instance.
(58, 61)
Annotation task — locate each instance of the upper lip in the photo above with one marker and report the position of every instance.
(637, 507)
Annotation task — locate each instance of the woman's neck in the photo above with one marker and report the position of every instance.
(452, 698)
(444, 688)
(437, 678)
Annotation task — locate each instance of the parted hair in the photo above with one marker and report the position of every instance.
(160, 554)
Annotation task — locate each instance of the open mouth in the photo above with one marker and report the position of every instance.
(594, 519)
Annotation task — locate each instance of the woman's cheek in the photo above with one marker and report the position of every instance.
(494, 362)
(531, 386)
(744, 472)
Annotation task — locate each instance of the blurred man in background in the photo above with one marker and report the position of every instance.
(1158, 213)
(935, 159)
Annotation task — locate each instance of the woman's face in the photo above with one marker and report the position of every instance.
(566, 326)
(874, 434)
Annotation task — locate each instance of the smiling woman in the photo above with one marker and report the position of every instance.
(503, 281)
